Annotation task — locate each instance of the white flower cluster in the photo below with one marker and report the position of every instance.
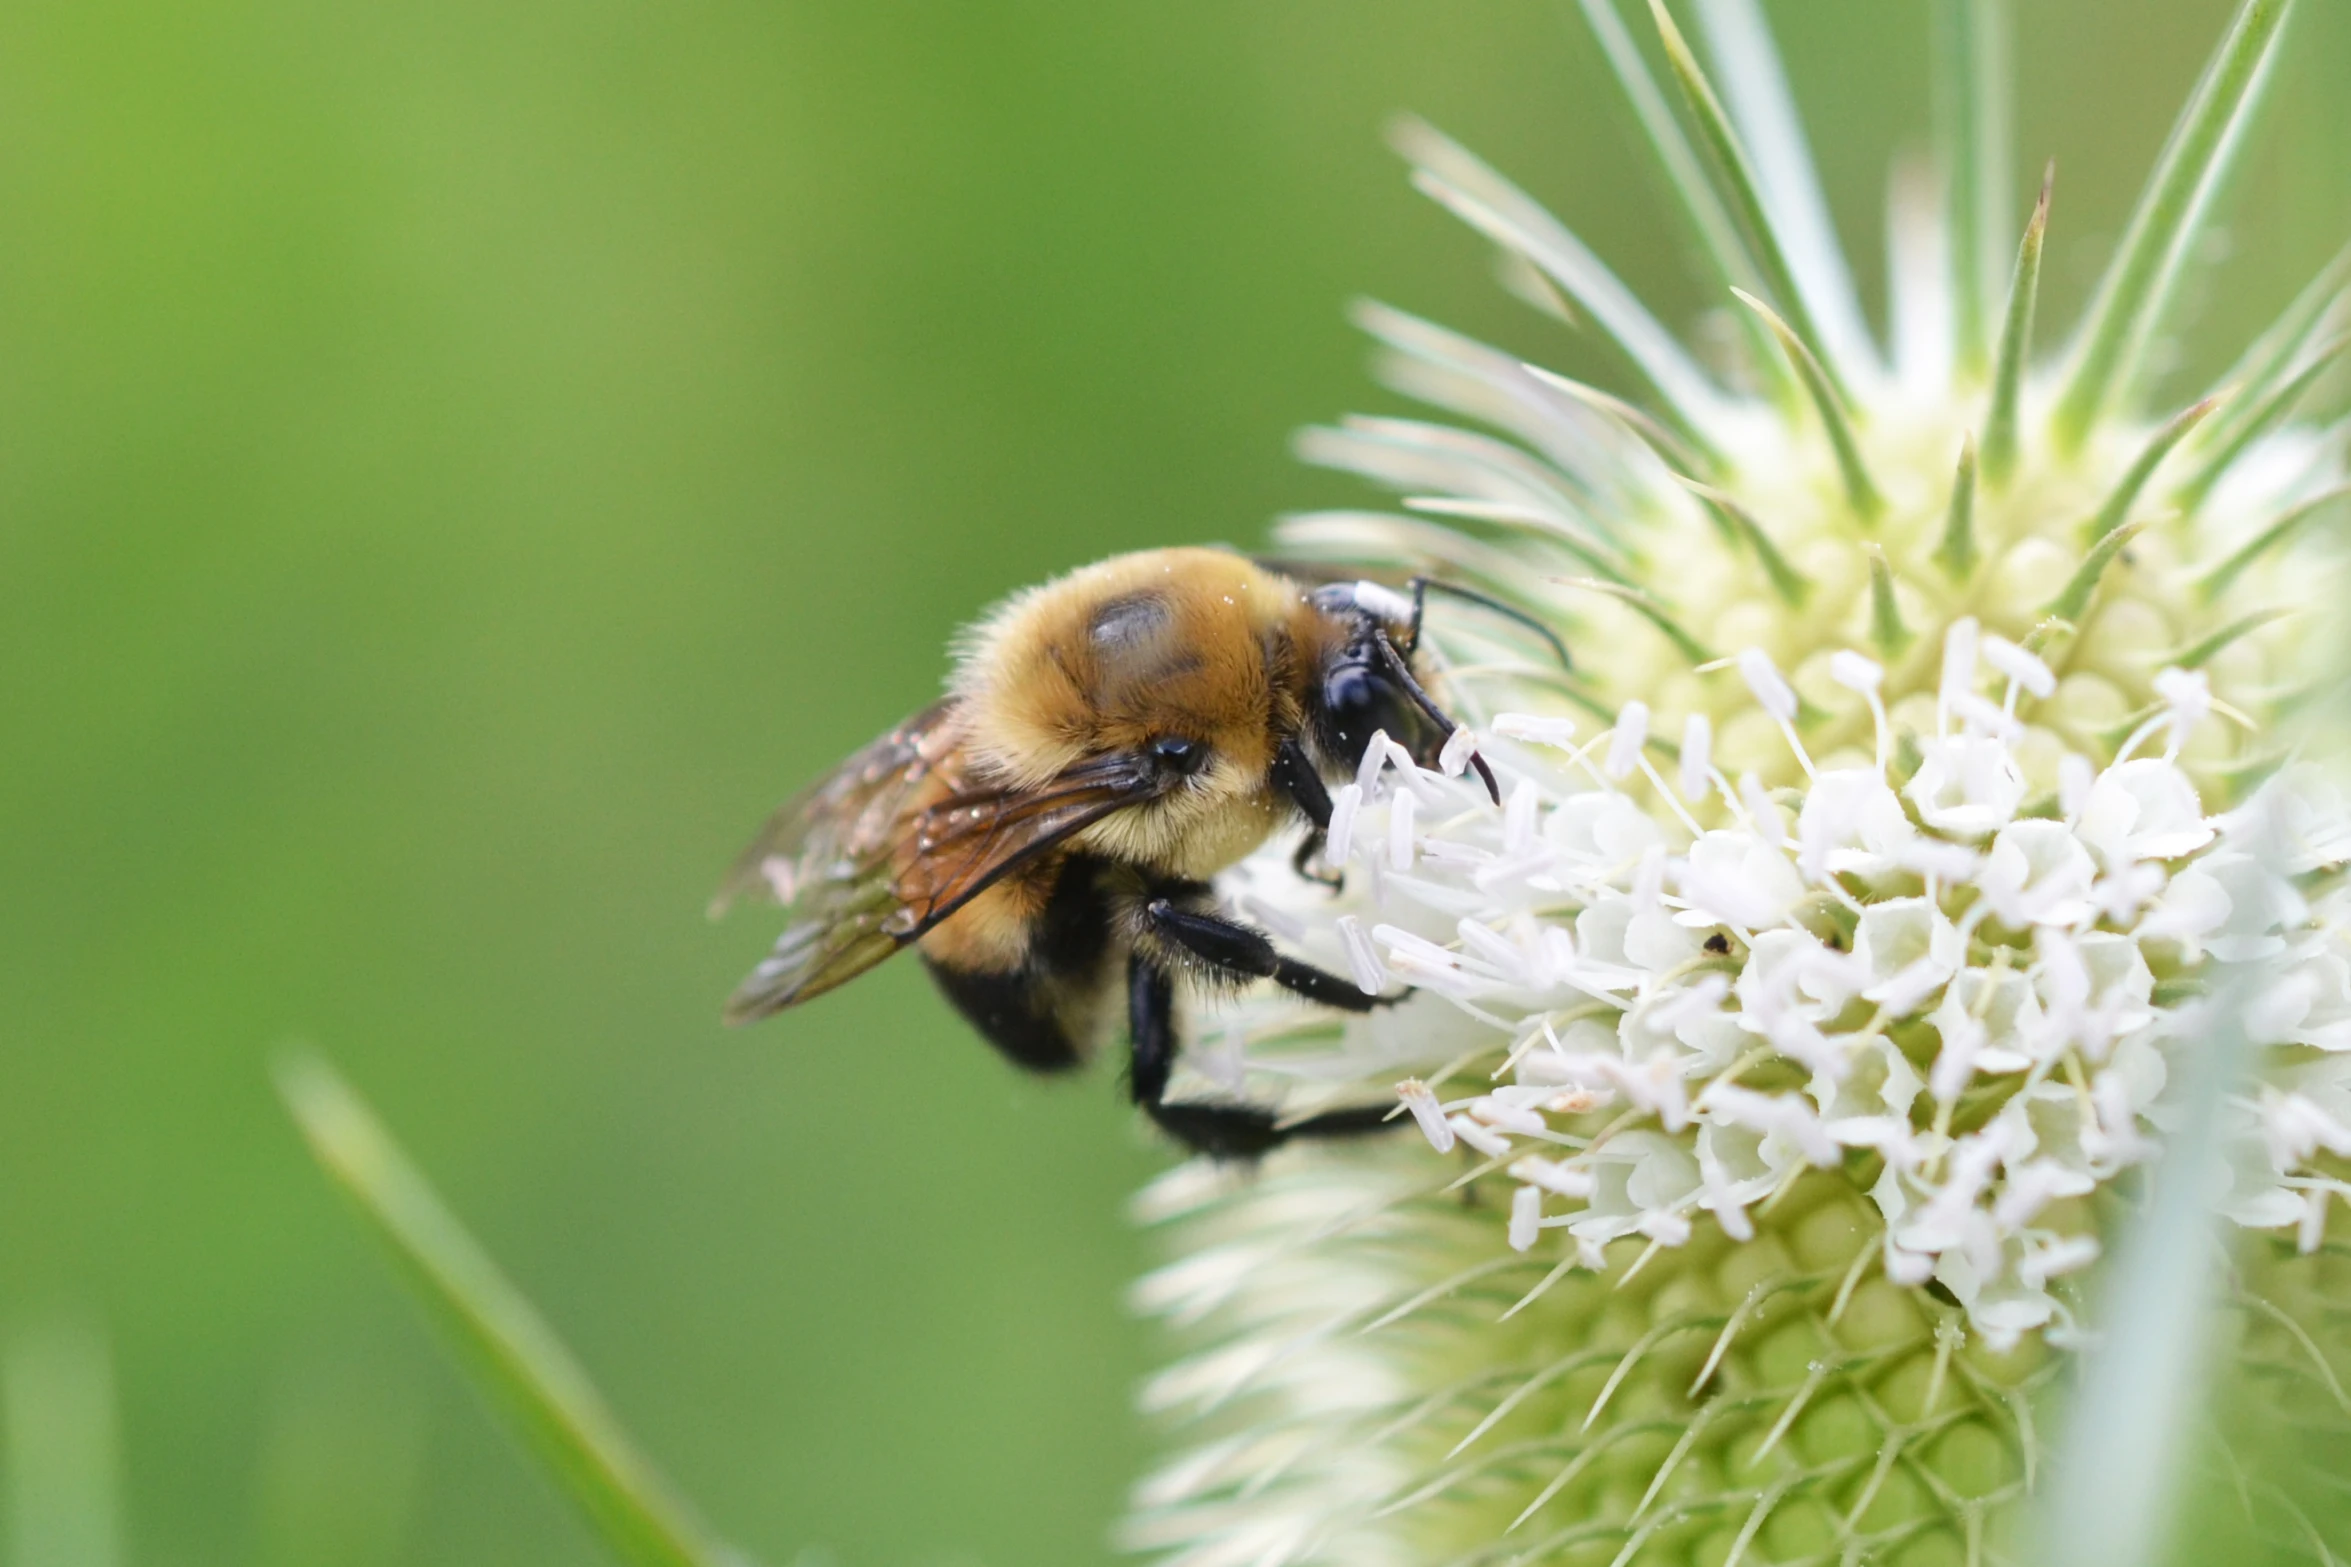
(1920, 968)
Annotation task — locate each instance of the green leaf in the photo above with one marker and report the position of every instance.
(1737, 174)
(1791, 585)
(1957, 553)
(2016, 343)
(2197, 654)
(2074, 597)
(1860, 489)
(1648, 608)
(1458, 180)
(1755, 88)
(2169, 216)
(2270, 355)
(1886, 629)
(2290, 522)
(1710, 222)
(2258, 421)
(1972, 133)
(2109, 516)
(57, 1431)
(512, 1354)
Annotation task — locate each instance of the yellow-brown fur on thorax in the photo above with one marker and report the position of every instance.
(1196, 643)
(1189, 642)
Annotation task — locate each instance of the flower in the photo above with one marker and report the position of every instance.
(1793, 1035)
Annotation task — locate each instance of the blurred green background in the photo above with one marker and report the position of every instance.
(459, 464)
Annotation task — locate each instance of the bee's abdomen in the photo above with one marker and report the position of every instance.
(1015, 1012)
(1041, 999)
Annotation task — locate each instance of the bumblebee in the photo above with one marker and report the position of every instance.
(1045, 834)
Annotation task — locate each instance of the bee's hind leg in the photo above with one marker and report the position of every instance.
(1219, 1130)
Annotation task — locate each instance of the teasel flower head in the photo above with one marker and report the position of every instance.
(1865, 912)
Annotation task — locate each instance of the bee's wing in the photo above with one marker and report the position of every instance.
(885, 848)
(817, 952)
(967, 841)
(830, 855)
(853, 816)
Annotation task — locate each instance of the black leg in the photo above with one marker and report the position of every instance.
(1221, 1131)
(1151, 1026)
(1230, 947)
(1303, 862)
(1296, 777)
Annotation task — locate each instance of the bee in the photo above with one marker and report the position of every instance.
(1045, 835)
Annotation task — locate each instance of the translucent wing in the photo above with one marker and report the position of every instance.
(890, 844)
(966, 842)
(830, 855)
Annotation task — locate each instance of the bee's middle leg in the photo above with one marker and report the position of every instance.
(1221, 1131)
(1239, 951)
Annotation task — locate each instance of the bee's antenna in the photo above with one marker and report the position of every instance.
(1437, 715)
(1421, 586)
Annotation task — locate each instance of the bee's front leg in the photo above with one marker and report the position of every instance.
(1303, 862)
(1294, 776)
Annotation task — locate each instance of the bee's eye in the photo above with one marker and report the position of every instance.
(1348, 696)
(1356, 703)
(1179, 756)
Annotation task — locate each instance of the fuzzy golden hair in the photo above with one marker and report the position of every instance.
(1196, 643)
(1123, 651)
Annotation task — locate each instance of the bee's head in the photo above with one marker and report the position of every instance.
(1361, 687)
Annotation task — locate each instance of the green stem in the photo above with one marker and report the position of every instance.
(515, 1357)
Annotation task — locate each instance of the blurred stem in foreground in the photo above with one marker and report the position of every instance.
(2122, 1470)
(504, 1344)
(61, 1461)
